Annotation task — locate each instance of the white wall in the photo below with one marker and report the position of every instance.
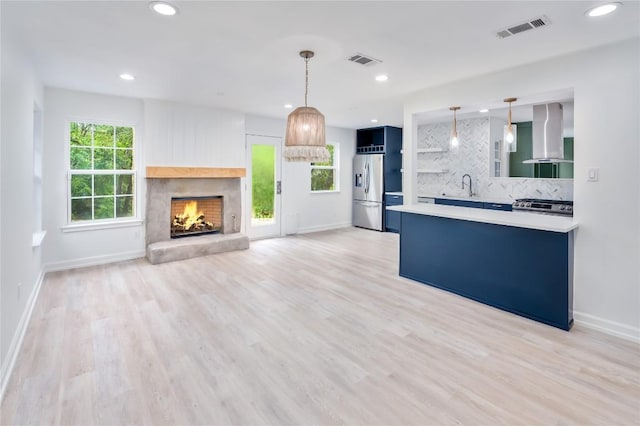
(188, 135)
(314, 211)
(607, 130)
(62, 249)
(20, 263)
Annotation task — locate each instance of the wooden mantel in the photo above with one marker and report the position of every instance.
(195, 172)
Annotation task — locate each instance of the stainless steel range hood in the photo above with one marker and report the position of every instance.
(548, 143)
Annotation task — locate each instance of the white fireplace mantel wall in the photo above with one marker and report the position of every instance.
(169, 134)
(188, 135)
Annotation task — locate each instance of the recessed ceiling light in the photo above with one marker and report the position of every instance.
(163, 8)
(374, 120)
(127, 77)
(382, 77)
(484, 110)
(288, 106)
(603, 9)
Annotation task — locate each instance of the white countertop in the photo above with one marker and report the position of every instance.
(518, 219)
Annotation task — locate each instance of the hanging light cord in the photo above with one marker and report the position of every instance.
(455, 124)
(306, 80)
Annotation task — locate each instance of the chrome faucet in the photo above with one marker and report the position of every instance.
(470, 184)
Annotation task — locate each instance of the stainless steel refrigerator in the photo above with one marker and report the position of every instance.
(368, 191)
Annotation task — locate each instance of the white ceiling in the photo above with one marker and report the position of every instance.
(244, 55)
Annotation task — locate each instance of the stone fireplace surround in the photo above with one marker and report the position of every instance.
(163, 183)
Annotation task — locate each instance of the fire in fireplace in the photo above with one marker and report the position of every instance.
(196, 216)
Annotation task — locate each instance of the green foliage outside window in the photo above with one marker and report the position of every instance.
(101, 168)
(262, 181)
(323, 174)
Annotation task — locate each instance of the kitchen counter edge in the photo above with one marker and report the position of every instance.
(529, 220)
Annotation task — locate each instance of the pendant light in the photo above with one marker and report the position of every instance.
(305, 137)
(510, 131)
(454, 143)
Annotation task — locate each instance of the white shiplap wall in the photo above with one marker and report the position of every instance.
(189, 135)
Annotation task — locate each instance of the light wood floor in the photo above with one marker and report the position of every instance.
(312, 329)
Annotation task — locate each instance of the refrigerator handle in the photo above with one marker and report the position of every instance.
(366, 178)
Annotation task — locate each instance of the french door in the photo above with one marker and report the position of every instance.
(263, 213)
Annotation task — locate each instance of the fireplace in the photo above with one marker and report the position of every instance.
(185, 201)
(191, 216)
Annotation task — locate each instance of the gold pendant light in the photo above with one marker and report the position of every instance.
(454, 142)
(510, 131)
(305, 138)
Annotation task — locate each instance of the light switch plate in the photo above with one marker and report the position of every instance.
(592, 174)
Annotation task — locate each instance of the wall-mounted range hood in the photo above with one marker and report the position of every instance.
(548, 142)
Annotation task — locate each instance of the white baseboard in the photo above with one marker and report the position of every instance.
(324, 227)
(92, 261)
(613, 328)
(18, 336)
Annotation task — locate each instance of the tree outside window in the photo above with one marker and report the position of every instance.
(324, 175)
(101, 172)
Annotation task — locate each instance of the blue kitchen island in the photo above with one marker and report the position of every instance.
(520, 262)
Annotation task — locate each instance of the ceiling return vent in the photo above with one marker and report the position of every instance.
(361, 59)
(539, 22)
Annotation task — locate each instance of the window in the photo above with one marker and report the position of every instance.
(101, 172)
(325, 176)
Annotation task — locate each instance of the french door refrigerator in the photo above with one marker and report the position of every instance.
(368, 191)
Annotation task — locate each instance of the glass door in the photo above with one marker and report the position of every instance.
(263, 186)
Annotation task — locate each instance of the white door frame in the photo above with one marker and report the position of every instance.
(273, 229)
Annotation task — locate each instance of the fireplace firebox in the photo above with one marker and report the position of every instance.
(191, 216)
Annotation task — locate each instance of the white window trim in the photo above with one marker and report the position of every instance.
(95, 224)
(335, 168)
(101, 224)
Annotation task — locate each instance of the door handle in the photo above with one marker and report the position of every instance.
(278, 187)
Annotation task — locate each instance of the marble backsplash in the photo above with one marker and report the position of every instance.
(473, 158)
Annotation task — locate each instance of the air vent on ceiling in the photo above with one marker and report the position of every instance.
(361, 59)
(539, 22)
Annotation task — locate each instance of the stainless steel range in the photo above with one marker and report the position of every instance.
(559, 207)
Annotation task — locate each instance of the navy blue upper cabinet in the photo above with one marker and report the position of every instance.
(384, 140)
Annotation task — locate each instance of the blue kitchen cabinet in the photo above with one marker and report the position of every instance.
(460, 203)
(385, 140)
(525, 271)
(498, 206)
(473, 204)
(392, 219)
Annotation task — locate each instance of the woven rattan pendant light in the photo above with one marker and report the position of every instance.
(305, 138)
